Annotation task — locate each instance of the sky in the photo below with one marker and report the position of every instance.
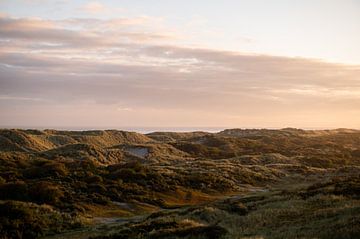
(198, 64)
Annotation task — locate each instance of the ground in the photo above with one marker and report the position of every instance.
(286, 183)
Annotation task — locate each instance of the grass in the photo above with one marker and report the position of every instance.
(275, 214)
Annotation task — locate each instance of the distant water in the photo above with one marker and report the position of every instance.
(173, 129)
(143, 130)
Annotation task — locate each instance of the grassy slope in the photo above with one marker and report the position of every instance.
(323, 210)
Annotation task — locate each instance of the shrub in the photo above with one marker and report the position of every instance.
(27, 220)
(46, 192)
(127, 175)
(56, 168)
(2, 180)
(14, 191)
(51, 169)
(99, 199)
(16, 222)
(238, 208)
(98, 188)
(94, 179)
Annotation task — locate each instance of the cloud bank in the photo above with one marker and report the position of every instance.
(126, 72)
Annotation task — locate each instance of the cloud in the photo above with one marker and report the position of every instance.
(76, 33)
(94, 8)
(124, 109)
(123, 69)
(12, 98)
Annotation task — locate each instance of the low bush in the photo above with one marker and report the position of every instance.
(14, 191)
(27, 220)
(51, 169)
(46, 192)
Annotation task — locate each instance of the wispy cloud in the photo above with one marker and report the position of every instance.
(124, 109)
(126, 60)
(96, 8)
(16, 98)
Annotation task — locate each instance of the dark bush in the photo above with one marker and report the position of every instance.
(348, 188)
(17, 222)
(14, 191)
(238, 208)
(45, 192)
(98, 188)
(94, 179)
(208, 232)
(127, 175)
(21, 220)
(99, 199)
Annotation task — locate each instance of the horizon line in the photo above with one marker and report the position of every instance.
(152, 129)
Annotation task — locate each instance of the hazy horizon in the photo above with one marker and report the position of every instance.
(146, 130)
(214, 64)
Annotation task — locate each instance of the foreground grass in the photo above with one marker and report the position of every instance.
(330, 210)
